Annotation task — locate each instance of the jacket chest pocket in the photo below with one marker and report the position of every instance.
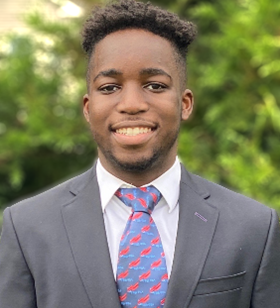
(219, 292)
(222, 284)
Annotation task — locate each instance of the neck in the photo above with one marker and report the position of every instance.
(139, 178)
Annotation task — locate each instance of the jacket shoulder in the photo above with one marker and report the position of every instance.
(56, 195)
(226, 200)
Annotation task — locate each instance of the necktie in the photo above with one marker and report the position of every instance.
(142, 278)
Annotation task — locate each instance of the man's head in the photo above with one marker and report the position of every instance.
(129, 14)
(135, 101)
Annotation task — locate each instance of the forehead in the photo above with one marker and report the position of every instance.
(133, 49)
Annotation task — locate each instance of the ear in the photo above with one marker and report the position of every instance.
(86, 107)
(187, 104)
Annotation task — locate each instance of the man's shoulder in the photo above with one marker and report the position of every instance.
(234, 209)
(224, 199)
(57, 195)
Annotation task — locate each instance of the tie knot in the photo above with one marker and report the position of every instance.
(140, 199)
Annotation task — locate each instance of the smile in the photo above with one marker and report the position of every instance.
(133, 131)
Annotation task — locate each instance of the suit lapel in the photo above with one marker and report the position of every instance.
(83, 220)
(197, 224)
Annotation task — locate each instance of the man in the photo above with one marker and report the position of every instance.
(65, 248)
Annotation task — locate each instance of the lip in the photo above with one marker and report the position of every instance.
(133, 124)
(136, 140)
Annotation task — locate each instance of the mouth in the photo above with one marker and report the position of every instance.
(133, 131)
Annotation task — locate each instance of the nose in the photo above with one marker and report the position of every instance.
(132, 100)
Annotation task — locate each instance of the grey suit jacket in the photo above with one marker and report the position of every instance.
(54, 252)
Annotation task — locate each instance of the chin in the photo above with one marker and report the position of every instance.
(136, 164)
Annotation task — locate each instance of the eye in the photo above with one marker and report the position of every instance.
(155, 87)
(109, 88)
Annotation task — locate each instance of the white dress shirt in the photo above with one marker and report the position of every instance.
(165, 214)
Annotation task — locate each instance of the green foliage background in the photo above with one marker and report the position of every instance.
(234, 72)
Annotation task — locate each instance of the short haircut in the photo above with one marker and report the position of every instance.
(131, 14)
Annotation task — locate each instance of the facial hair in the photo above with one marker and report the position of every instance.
(144, 163)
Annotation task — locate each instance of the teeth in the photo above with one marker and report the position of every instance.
(133, 131)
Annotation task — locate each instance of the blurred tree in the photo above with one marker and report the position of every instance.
(42, 81)
(233, 69)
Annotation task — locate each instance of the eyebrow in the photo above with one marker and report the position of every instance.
(108, 73)
(145, 71)
(153, 72)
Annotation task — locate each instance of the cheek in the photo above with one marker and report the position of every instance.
(98, 110)
(99, 115)
(101, 104)
(171, 109)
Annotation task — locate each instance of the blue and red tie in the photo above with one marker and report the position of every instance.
(142, 277)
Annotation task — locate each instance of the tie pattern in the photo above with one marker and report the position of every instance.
(142, 277)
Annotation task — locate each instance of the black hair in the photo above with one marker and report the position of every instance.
(131, 14)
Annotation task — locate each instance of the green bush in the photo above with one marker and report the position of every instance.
(234, 72)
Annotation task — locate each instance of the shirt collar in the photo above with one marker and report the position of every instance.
(109, 184)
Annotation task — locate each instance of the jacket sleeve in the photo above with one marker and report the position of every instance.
(266, 291)
(16, 282)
